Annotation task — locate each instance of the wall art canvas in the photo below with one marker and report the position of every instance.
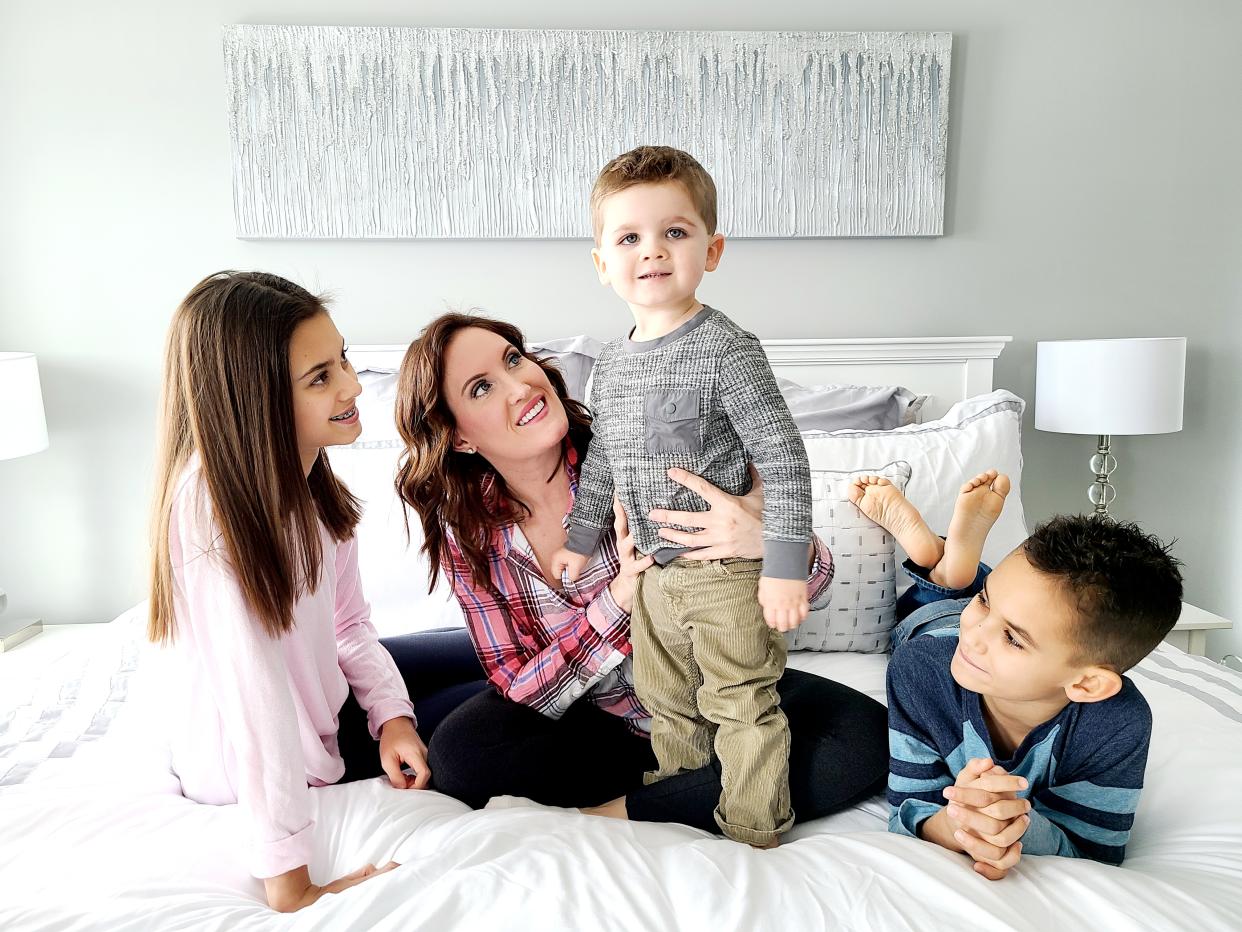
(395, 132)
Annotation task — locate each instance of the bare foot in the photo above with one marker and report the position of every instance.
(883, 503)
(614, 809)
(979, 504)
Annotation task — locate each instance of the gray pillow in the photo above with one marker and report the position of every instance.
(574, 356)
(816, 407)
(856, 407)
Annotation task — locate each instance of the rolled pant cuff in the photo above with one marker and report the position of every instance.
(751, 836)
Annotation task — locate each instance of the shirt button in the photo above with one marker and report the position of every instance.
(670, 408)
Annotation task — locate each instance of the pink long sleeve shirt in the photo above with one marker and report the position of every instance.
(254, 718)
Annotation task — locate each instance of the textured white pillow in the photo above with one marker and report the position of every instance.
(863, 592)
(978, 433)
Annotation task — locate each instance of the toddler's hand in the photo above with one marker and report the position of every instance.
(625, 583)
(784, 602)
(567, 564)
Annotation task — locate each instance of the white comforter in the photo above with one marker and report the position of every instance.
(98, 837)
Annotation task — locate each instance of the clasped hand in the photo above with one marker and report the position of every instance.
(986, 817)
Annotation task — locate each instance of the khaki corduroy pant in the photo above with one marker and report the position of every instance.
(706, 667)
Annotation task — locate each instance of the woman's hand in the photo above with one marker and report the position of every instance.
(732, 528)
(400, 746)
(625, 584)
(290, 891)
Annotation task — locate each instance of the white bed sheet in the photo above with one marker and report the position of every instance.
(99, 838)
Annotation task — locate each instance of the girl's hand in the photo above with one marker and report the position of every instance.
(625, 584)
(400, 746)
(290, 891)
(732, 527)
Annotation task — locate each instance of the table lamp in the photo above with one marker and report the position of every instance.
(23, 431)
(1106, 387)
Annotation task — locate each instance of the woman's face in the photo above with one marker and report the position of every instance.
(503, 404)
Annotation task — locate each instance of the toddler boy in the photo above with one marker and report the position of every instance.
(689, 388)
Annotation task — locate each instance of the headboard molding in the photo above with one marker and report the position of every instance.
(947, 369)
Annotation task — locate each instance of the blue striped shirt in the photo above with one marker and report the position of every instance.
(1084, 767)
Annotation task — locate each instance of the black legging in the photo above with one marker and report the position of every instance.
(441, 671)
(490, 746)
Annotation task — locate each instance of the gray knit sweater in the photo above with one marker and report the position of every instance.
(703, 398)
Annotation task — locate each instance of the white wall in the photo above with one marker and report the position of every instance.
(1093, 192)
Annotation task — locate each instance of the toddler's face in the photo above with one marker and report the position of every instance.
(654, 247)
(1015, 636)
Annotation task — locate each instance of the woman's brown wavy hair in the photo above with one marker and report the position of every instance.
(228, 397)
(447, 488)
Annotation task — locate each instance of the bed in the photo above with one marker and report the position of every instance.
(94, 834)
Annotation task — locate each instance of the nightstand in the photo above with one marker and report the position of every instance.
(1190, 632)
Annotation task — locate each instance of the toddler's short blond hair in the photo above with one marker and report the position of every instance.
(655, 165)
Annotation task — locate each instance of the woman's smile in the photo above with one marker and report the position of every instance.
(533, 411)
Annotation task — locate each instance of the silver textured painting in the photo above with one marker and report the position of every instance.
(378, 132)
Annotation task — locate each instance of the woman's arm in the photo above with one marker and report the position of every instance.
(733, 527)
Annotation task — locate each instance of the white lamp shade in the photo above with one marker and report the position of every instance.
(1132, 386)
(23, 429)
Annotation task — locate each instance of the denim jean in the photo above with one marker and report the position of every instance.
(926, 606)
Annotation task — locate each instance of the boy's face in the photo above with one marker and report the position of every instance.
(1015, 639)
(654, 247)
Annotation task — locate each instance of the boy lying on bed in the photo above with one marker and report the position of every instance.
(1011, 727)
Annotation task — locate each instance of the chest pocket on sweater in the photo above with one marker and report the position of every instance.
(671, 420)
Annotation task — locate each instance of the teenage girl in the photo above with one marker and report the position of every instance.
(254, 586)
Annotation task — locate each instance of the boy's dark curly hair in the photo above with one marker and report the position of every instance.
(1125, 586)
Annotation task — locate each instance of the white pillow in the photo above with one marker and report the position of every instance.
(859, 616)
(394, 572)
(978, 433)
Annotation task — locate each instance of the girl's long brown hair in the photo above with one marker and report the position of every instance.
(444, 487)
(228, 396)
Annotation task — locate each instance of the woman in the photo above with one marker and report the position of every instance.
(492, 445)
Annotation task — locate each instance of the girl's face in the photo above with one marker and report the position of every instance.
(324, 388)
(503, 404)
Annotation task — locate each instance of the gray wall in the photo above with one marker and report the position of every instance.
(1093, 192)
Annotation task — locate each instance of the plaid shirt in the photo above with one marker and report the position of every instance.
(545, 647)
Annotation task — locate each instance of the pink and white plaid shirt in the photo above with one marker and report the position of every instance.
(545, 647)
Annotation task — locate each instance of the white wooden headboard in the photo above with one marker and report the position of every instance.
(947, 369)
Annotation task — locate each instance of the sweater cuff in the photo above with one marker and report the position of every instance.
(387, 710)
(785, 559)
(273, 858)
(583, 540)
(909, 817)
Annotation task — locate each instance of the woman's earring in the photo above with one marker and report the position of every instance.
(470, 449)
